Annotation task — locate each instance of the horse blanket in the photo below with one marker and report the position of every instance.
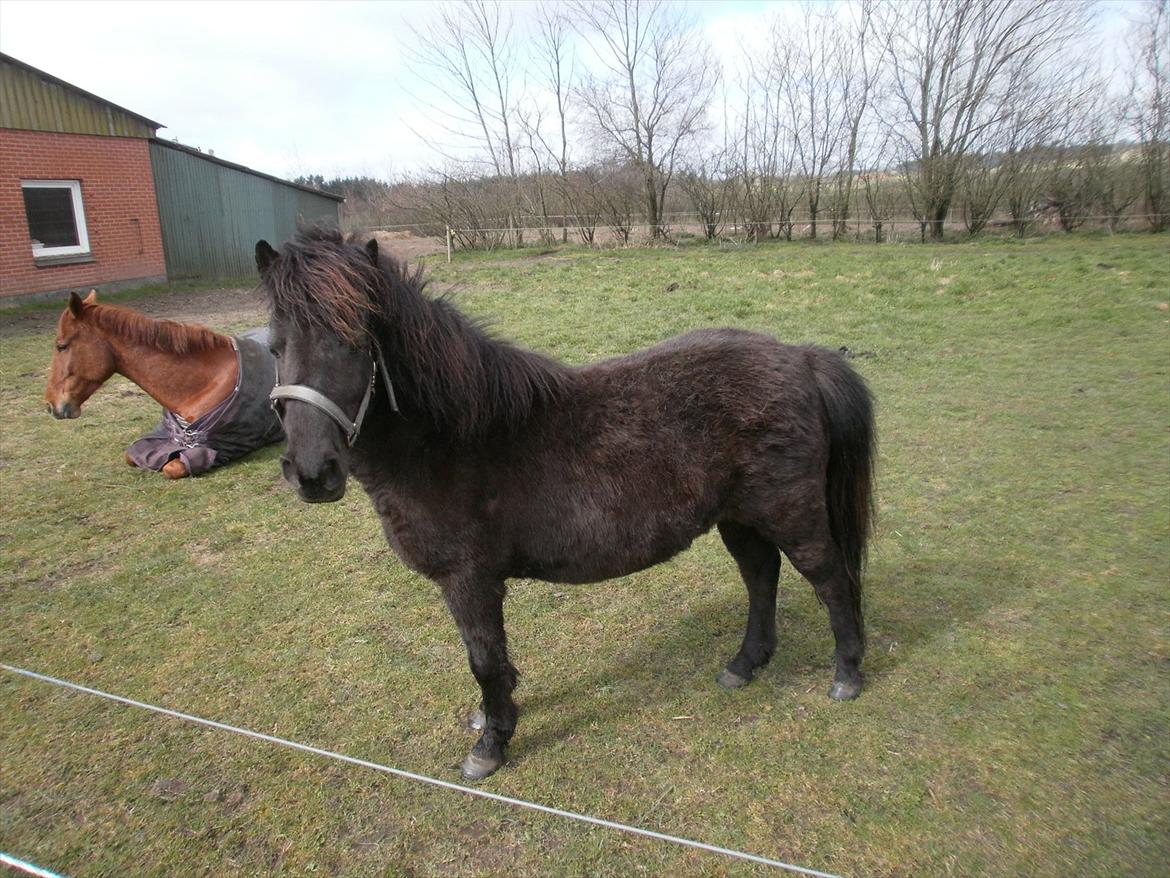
(243, 422)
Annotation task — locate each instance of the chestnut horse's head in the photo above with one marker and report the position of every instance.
(84, 360)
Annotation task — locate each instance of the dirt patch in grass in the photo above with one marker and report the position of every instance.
(218, 308)
(231, 306)
(408, 247)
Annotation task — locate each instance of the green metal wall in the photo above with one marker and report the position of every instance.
(212, 214)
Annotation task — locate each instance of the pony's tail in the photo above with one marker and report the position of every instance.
(848, 409)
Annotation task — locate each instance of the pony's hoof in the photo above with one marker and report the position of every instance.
(844, 691)
(729, 679)
(477, 767)
(476, 721)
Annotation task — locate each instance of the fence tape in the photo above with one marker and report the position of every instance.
(421, 778)
(29, 868)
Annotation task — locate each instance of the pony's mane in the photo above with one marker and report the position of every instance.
(166, 335)
(320, 280)
(446, 364)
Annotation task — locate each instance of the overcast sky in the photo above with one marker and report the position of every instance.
(294, 88)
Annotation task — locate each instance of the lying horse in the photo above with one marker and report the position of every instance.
(213, 388)
(485, 461)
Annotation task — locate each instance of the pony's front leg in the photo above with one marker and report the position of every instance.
(477, 603)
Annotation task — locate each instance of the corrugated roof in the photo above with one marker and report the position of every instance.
(11, 116)
(170, 144)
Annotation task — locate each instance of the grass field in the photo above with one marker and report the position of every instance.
(1017, 713)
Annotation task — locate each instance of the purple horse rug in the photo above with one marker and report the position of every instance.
(240, 424)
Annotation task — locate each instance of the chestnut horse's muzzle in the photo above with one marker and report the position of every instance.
(65, 411)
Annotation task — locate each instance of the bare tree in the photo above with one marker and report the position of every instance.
(857, 71)
(1081, 153)
(539, 185)
(823, 72)
(468, 49)
(880, 189)
(980, 185)
(585, 195)
(616, 194)
(1149, 109)
(951, 67)
(1118, 183)
(708, 193)
(652, 97)
(806, 67)
(555, 74)
(1022, 175)
(761, 154)
(466, 203)
(967, 93)
(1030, 128)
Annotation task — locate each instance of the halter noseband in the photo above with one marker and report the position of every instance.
(320, 401)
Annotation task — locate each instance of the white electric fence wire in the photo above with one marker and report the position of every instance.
(421, 778)
(28, 868)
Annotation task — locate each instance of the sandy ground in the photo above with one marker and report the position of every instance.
(221, 309)
(406, 246)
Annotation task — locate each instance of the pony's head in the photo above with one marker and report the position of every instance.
(83, 361)
(320, 288)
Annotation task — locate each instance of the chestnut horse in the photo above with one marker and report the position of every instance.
(192, 372)
(486, 461)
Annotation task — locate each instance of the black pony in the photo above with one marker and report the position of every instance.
(485, 461)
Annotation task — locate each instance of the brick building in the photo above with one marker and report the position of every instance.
(77, 200)
(90, 197)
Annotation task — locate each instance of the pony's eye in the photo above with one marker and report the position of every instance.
(63, 347)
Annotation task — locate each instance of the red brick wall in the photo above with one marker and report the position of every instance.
(117, 193)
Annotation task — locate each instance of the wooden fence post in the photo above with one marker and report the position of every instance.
(448, 245)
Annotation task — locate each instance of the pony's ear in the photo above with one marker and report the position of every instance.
(265, 256)
(91, 299)
(372, 250)
(75, 304)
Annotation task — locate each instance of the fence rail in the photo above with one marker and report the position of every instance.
(886, 230)
(735, 230)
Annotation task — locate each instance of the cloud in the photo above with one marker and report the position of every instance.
(301, 86)
(285, 88)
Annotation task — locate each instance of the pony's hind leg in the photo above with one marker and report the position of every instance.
(478, 608)
(819, 560)
(759, 565)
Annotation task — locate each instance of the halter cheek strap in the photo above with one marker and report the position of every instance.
(320, 401)
(381, 361)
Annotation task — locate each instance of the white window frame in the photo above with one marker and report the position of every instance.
(74, 187)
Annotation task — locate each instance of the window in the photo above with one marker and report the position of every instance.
(56, 218)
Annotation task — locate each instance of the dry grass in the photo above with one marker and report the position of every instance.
(1016, 716)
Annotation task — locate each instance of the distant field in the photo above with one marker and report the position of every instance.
(1017, 715)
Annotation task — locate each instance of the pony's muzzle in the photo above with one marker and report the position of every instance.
(322, 484)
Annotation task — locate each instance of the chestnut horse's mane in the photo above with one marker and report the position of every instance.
(166, 335)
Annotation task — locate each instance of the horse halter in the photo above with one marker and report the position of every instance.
(320, 401)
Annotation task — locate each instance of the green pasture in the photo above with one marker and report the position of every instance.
(1016, 719)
